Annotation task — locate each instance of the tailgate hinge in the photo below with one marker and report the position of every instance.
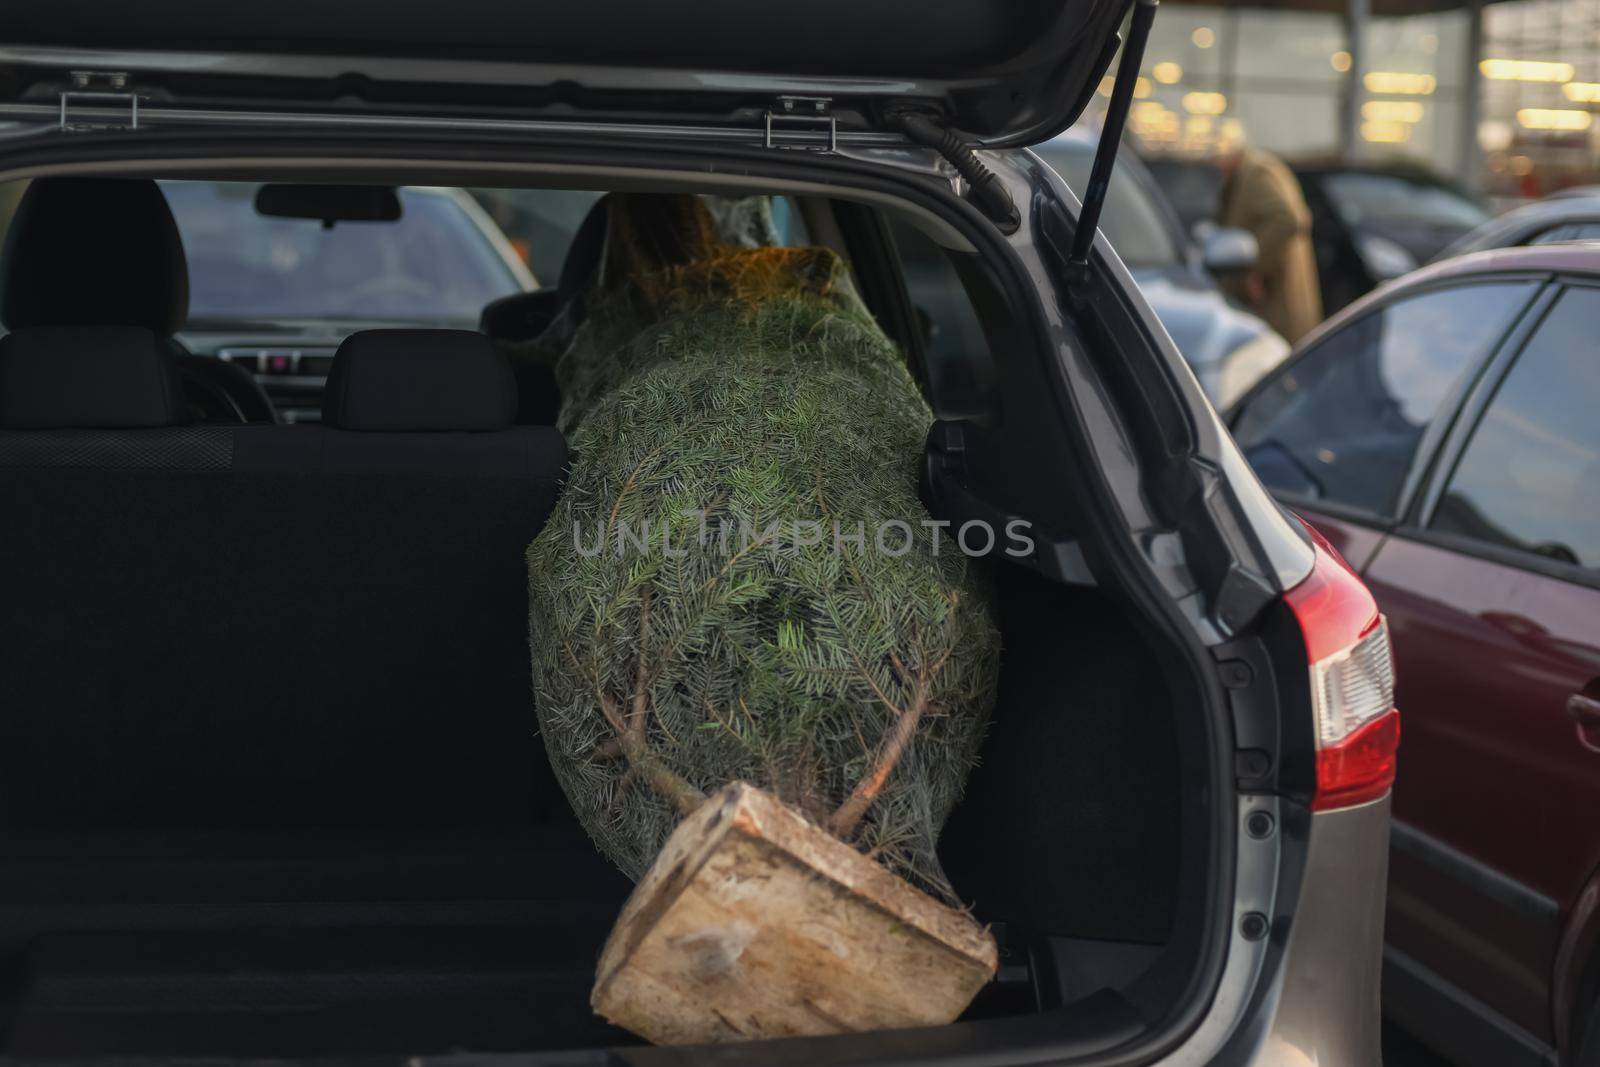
(100, 90)
(806, 113)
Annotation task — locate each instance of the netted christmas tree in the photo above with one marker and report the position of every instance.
(737, 584)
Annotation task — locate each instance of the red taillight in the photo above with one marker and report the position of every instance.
(1361, 767)
(1352, 682)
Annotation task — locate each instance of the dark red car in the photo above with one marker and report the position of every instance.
(1444, 434)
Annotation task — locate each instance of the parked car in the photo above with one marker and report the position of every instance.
(1441, 433)
(1574, 190)
(1375, 222)
(1193, 186)
(269, 781)
(1229, 348)
(1548, 221)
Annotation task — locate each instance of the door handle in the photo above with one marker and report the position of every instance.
(1585, 711)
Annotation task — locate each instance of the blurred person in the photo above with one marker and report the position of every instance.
(1261, 195)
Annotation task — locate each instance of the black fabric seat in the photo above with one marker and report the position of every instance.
(548, 316)
(107, 252)
(268, 625)
(56, 377)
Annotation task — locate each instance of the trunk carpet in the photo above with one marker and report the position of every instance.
(302, 943)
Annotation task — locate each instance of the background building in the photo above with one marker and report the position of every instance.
(1502, 98)
(1539, 130)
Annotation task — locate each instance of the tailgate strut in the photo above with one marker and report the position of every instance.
(1094, 197)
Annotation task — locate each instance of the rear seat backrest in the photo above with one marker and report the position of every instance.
(275, 624)
(54, 377)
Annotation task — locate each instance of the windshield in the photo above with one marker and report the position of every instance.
(436, 264)
(1368, 199)
(1132, 220)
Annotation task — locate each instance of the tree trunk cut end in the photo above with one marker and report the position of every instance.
(755, 922)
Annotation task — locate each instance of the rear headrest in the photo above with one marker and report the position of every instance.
(94, 252)
(60, 377)
(399, 380)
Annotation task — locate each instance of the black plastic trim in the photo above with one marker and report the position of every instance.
(1476, 875)
(1452, 1021)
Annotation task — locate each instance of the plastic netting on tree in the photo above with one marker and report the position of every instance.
(737, 583)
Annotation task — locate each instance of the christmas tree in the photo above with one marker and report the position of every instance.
(738, 583)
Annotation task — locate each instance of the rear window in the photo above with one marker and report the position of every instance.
(438, 263)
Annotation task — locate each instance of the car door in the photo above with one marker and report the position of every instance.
(1342, 432)
(1492, 590)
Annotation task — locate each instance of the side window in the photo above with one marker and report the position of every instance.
(1344, 422)
(1530, 476)
(956, 350)
(539, 223)
(1571, 231)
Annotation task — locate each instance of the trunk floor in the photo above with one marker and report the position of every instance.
(302, 942)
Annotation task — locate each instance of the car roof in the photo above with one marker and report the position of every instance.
(1401, 169)
(1567, 207)
(1520, 223)
(1577, 257)
(1574, 191)
(1085, 136)
(1079, 134)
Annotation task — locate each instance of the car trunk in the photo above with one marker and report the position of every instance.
(219, 928)
(257, 876)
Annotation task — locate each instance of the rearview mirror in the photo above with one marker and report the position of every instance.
(1383, 258)
(1225, 249)
(329, 203)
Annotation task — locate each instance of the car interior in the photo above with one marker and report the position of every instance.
(270, 781)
